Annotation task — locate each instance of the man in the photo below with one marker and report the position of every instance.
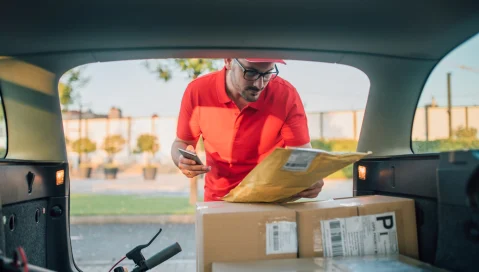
(243, 112)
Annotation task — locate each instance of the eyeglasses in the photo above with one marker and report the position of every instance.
(253, 75)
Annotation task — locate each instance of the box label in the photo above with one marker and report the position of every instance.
(281, 238)
(299, 160)
(360, 235)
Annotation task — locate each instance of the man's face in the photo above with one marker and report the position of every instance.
(249, 88)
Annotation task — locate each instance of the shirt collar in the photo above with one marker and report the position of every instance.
(221, 87)
(224, 98)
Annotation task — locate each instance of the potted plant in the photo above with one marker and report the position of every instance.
(84, 146)
(112, 145)
(148, 145)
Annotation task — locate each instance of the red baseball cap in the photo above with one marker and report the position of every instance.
(266, 60)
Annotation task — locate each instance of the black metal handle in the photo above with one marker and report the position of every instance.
(163, 255)
(136, 255)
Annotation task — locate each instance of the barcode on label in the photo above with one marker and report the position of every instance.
(299, 160)
(281, 238)
(360, 235)
(275, 237)
(336, 238)
(297, 165)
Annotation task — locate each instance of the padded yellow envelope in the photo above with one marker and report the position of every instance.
(286, 172)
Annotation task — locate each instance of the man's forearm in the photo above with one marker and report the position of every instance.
(175, 155)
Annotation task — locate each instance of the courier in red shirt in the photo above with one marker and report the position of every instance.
(243, 112)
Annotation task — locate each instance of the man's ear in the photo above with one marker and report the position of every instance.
(228, 63)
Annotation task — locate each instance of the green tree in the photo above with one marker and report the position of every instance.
(193, 67)
(70, 82)
(83, 145)
(147, 143)
(112, 145)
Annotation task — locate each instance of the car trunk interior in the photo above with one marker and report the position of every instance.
(397, 47)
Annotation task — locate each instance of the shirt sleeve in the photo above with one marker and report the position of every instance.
(188, 127)
(295, 130)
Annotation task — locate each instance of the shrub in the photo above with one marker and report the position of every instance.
(147, 143)
(346, 145)
(112, 145)
(83, 145)
(443, 145)
(467, 134)
(339, 145)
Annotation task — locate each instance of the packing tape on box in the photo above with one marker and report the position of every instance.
(351, 204)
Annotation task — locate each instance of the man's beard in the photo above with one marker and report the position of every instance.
(251, 94)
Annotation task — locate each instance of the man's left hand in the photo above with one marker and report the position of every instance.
(312, 191)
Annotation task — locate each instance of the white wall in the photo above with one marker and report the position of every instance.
(336, 125)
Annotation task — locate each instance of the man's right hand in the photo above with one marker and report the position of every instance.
(189, 168)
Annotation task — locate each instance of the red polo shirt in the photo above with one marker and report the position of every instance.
(236, 141)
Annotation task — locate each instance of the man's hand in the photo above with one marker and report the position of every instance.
(189, 167)
(312, 191)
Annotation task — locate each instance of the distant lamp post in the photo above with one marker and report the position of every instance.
(449, 104)
(426, 113)
(426, 123)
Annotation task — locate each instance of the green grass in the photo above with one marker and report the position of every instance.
(93, 204)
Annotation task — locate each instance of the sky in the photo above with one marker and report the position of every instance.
(322, 86)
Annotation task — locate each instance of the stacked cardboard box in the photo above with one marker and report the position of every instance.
(390, 216)
(236, 232)
(239, 232)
